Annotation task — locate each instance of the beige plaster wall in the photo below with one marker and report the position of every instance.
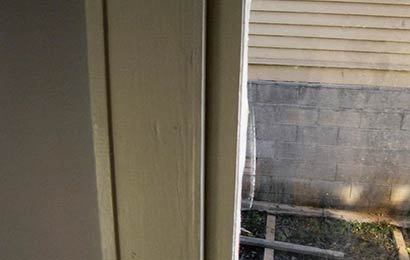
(48, 199)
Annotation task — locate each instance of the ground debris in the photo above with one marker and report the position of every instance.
(359, 241)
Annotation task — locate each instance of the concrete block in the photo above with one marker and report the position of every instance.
(357, 137)
(400, 193)
(280, 133)
(351, 98)
(314, 189)
(344, 154)
(374, 157)
(402, 177)
(264, 166)
(376, 100)
(342, 118)
(380, 120)
(309, 96)
(377, 139)
(322, 97)
(332, 97)
(380, 174)
(264, 114)
(306, 200)
(369, 192)
(297, 115)
(292, 151)
(286, 168)
(331, 188)
(360, 204)
(304, 131)
(382, 100)
(399, 157)
(314, 153)
(263, 184)
(281, 114)
(318, 135)
(286, 199)
(296, 151)
(265, 149)
(291, 186)
(317, 171)
(261, 196)
(394, 140)
(328, 201)
(260, 179)
(273, 94)
(275, 198)
(387, 158)
(329, 97)
(304, 170)
(349, 172)
(399, 100)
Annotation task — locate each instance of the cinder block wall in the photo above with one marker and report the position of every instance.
(332, 145)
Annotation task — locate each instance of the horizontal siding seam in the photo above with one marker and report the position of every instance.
(304, 63)
(333, 50)
(341, 14)
(331, 26)
(318, 37)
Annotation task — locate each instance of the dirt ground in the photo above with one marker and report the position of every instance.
(359, 241)
(406, 236)
(254, 222)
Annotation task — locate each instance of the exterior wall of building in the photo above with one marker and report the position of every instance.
(328, 41)
(332, 145)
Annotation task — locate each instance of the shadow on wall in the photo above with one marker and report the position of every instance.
(332, 145)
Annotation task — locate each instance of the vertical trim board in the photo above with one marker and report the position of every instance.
(100, 124)
(226, 122)
(156, 54)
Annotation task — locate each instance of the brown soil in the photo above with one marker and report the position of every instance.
(254, 222)
(359, 241)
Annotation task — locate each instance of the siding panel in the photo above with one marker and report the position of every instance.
(331, 33)
(340, 56)
(294, 42)
(332, 8)
(330, 20)
(329, 75)
(336, 36)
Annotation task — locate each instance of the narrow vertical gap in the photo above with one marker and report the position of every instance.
(110, 128)
(402, 115)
